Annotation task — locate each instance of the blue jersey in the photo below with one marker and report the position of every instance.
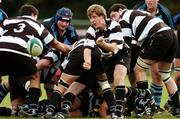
(3, 16)
(163, 13)
(69, 37)
(177, 19)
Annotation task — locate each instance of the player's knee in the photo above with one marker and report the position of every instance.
(63, 83)
(43, 63)
(104, 84)
(165, 75)
(142, 65)
(177, 70)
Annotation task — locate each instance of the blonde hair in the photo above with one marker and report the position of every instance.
(98, 9)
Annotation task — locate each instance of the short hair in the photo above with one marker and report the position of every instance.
(28, 9)
(115, 7)
(98, 9)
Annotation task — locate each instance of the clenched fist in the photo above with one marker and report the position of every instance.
(100, 40)
(87, 65)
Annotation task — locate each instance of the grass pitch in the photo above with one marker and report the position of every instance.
(164, 115)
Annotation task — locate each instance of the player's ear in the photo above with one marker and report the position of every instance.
(35, 16)
(120, 10)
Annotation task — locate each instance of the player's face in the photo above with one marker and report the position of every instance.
(151, 3)
(97, 21)
(62, 24)
(115, 16)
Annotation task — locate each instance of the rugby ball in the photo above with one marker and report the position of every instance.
(34, 46)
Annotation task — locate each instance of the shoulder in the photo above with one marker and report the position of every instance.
(112, 24)
(177, 19)
(48, 22)
(91, 31)
(164, 10)
(71, 28)
(4, 13)
(167, 15)
(3, 16)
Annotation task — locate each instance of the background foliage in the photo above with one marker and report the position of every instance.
(48, 8)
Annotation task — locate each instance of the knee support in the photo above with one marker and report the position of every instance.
(177, 69)
(165, 75)
(63, 83)
(142, 64)
(104, 84)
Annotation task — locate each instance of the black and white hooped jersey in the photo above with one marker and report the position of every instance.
(112, 33)
(15, 32)
(140, 25)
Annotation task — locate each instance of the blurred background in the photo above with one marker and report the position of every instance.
(47, 8)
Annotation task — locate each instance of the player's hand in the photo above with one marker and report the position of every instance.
(100, 40)
(87, 65)
(56, 77)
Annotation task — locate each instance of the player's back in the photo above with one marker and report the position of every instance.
(15, 32)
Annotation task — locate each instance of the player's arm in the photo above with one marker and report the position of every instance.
(61, 47)
(88, 47)
(49, 39)
(87, 58)
(111, 47)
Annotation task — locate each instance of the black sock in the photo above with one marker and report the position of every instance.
(33, 97)
(132, 92)
(68, 101)
(109, 98)
(178, 85)
(142, 84)
(119, 94)
(175, 99)
(54, 100)
(97, 101)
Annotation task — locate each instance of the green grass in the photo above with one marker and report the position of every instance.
(165, 115)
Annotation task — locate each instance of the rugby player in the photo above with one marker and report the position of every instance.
(158, 45)
(15, 32)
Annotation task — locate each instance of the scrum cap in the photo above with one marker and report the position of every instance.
(63, 14)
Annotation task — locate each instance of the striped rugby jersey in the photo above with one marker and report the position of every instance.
(15, 32)
(140, 24)
(112, 33)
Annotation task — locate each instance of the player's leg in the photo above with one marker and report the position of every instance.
(157, 86)
(107, 93)
(119, 76)
(140, 71)
(30, 72)
(57, 95)
(177, 63)
(30, 107)
(177, 73)
(173, 101)
(69, 98)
